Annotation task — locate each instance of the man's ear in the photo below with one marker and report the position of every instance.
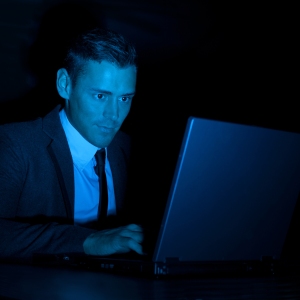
(63, 83)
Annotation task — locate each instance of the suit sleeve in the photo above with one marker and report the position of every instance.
(19, 239)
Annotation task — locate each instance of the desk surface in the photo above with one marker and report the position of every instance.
(31, 282)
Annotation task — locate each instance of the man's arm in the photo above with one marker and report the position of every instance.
(29, 218)
(20, 240)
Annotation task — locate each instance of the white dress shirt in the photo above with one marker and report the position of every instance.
(85, 179)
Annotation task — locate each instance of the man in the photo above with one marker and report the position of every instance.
(49, 191)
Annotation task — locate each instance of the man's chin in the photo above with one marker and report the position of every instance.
(104, 140)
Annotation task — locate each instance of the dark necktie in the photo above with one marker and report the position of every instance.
(100, 171)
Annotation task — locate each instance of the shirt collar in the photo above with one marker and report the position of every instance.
(81, 150)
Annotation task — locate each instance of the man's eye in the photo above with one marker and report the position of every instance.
(125, 99)
(100, 96)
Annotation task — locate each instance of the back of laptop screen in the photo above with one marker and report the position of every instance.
(233, 193)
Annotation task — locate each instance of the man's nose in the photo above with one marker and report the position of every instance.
(111, 110)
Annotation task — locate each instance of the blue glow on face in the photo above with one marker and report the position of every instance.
(100, 101)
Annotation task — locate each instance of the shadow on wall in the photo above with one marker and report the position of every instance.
(59, 25)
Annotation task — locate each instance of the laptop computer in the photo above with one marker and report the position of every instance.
(230, 204)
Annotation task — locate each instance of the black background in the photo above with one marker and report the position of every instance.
(232, 61)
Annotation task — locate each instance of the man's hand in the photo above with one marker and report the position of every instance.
(117, 240)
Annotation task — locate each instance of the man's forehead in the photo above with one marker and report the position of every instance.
(108, 77)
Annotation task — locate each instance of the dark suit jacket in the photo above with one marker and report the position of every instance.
(37, 187)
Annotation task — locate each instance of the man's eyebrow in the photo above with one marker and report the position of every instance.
(101, 91)
(129, 94)
(110, 93)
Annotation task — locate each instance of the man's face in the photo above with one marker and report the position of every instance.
(100, 101)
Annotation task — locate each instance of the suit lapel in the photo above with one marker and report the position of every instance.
(119, 168)
(61, 157)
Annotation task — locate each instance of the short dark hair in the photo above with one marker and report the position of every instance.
(98, 45)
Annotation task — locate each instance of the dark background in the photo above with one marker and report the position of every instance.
(232, 61)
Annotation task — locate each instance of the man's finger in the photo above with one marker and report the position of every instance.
(136, 235)
(134, 227)
(133, 245)
(126, 244)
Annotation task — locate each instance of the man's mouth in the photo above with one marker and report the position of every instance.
(107, 129)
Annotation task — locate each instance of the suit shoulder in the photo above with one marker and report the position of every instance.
(122, 139)
(21, 130)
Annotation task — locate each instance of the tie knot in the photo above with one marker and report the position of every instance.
(100, 159)
(100, 156)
